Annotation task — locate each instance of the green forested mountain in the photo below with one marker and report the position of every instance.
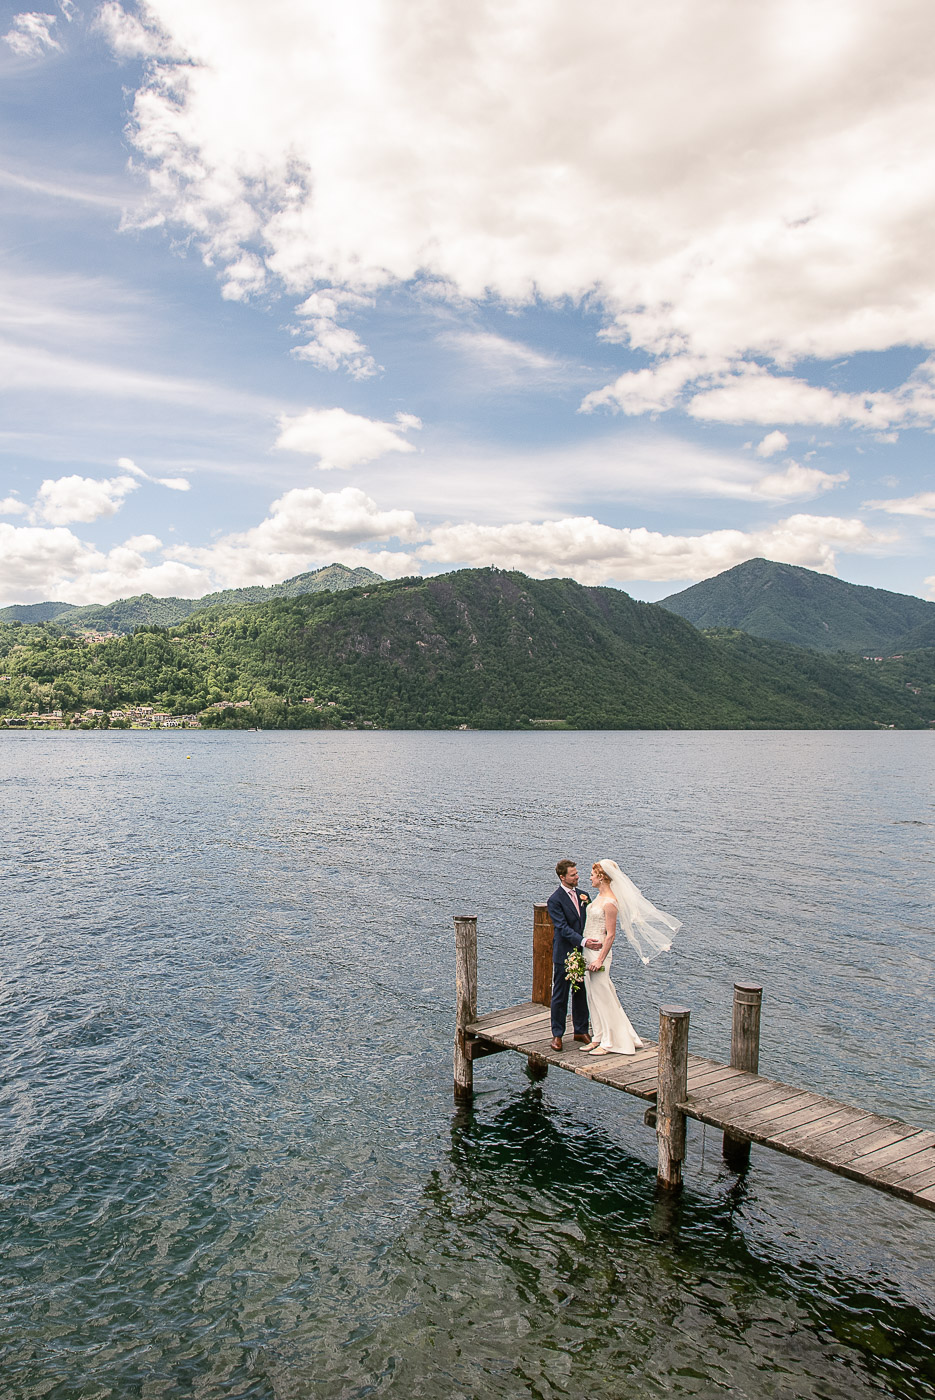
(784, 603)
(126, 614)
(478, 647)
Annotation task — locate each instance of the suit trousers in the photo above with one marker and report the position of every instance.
(579, 1004)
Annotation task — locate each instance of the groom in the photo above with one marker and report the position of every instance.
(567, 911)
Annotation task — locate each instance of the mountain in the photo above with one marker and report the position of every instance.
(126, 614)
(37, 612)
(784, 603)
(479, 647)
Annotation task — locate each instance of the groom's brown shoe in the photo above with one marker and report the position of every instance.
(585, 1039)
(556, 1042)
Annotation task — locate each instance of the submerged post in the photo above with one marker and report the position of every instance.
(744, 1054)
(671, 1089)
(465, 1002)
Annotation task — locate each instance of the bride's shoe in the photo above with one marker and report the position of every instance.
(598, 1050)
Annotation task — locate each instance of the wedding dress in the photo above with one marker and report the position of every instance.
(610, 1025)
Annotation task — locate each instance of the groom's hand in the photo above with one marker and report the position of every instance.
(593, 943)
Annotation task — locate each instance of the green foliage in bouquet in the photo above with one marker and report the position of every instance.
(575, 968)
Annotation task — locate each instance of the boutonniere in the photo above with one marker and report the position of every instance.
(585, 898)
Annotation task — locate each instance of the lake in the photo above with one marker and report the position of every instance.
(229, 1160)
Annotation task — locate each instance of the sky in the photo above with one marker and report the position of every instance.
(622, 293)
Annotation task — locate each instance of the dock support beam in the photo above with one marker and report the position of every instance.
(744, 1054)
(542, 935)
(465, 1003)
(671, 1090)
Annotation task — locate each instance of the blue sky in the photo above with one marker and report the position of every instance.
(594, 291)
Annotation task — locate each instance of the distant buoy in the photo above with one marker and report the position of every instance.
(188, 755)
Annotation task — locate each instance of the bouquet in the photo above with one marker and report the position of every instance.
(575, 968)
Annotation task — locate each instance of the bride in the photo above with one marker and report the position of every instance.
(619, 904)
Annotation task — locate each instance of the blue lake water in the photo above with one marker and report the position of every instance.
(229, 1161)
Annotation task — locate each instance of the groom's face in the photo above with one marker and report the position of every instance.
(571, 876)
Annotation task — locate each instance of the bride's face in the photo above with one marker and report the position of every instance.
(596, 877)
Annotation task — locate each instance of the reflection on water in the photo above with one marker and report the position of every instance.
(228, 1164)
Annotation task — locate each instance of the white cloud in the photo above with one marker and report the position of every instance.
(11, 506)
(143, 544)
(584, 549)
(31, 34)
(305, 527)
(341, 439)
(81, 498)
(174, 483)
(37, 564)
(500, 360)
(922, 504)
(729, 183)
(773, 442)
(127, 36)
(797, 483)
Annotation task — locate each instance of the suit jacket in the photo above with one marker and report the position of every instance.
(567, 923)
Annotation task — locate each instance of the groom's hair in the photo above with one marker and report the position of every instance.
(563, 868)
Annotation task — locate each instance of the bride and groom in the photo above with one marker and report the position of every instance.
(592, 926)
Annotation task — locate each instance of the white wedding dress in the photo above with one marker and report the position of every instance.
(610, 1025)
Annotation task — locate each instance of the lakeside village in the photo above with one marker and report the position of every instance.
(137, 716)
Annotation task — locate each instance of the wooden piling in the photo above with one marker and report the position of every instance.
(465, 1004)
(744, 1055)
(542, 933)
(671, 1092)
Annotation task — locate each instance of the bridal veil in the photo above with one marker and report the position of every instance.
(648, 930)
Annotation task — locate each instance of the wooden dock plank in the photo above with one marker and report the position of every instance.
(920, 1163)
(869, 1148)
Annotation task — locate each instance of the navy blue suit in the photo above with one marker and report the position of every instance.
(568, 926)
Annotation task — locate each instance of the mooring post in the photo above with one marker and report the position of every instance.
(744, 1054)
(542, 933)
(671, 1089)
(465, 1002)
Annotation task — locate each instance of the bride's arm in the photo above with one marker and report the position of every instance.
(610, 922)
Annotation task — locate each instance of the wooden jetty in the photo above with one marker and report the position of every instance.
(746, 1106)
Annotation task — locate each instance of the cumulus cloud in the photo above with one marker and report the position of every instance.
(331, 345)
(81, 498)
(773, 442)
(584, 549)
(729, 185)
(30, 34)
(922, 504)
(11, 506)
(37, 563)
(304, 526)
(341, 439)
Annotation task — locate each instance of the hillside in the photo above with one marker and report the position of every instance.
(784, 603)
(126, 614)
(478, 647)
